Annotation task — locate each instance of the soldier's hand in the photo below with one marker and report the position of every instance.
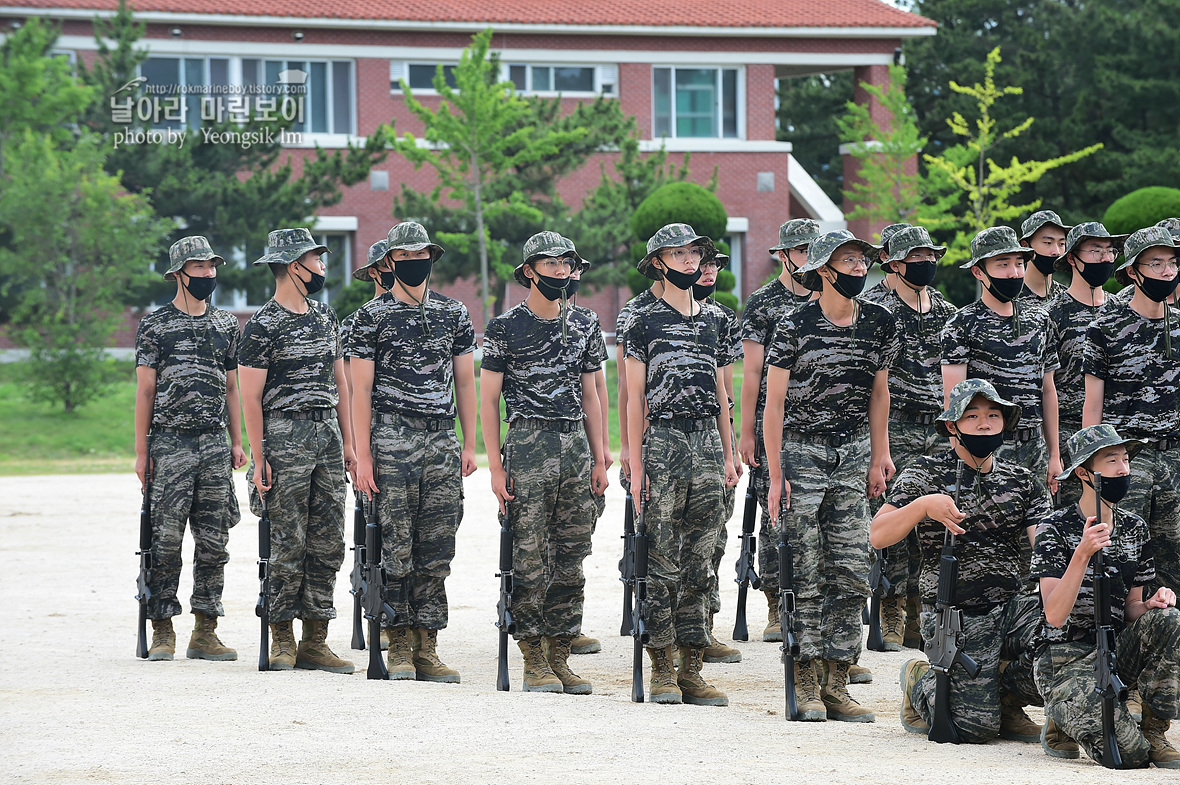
(258, 479)
(625, 461)
(607, 460)
(731, 475)
(737, 465)
(1095, 536)
(875, 484)
(637, 490)
(748, 451)
(468, 460)
(350, 463)
(365, 477)
(1163, 598)
(500, 488)
(598, 480)
(141, 463)
(941, 508)
(237, 457)
(1055, 468)
(778, 496)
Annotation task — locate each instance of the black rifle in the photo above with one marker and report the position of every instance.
(504, 620)
(263, 606)
(375, 604)
(358, 571)
(639, 609)
(746, 576)
(878, 585)
(627, 565)
(945, 649)
(144, 592)
(786, 619)
(1106, 678)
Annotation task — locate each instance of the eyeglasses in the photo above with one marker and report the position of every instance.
(692, 254)
(710, 265)
(856, 263)
(919, 258)
(1159, 268)
(1101, 253)
(564, 263)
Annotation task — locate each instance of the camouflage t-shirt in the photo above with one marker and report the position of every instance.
(644, 299)
(1029, 296)
(297, 351)
(832, 368)
(682, 355)
(597, 342)
(1071, 321)
(191, 356)
(542, 373)
(731, 341)
(875, 293)
(1000, 507)
(1142, 386)
(989, 346)
(764, 311)
(346, 334)
(1129, 554)
(413, 365)
(915, 379)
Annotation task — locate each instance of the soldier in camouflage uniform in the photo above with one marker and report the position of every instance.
(1128, 290)
(1010, 344)
(1132, 368)
(412, 357)
(883, 287)
(373, 270)
(637, 303)
(1043, 233)
(827, 417)
(186, 357)
(765, 308)
(292, 373)
(1148, 629)
(675, 351)
(999, 506)
(542, 356)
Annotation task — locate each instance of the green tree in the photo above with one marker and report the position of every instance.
(1142, 208)
(808, 108)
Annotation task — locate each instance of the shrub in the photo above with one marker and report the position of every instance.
(1142, 208)
(680, 203)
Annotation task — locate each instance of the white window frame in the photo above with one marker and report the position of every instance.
(740, 103)
(604, 75)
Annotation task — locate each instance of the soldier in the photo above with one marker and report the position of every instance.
(186, 358)
(1132, 371)
(542, 356)
(1044, 234)
(292, 374)
(675, 352)
(1010, 345)
(640, 301)
(1148, 643)
(878, 292)
(1128, 290)
(410, 348)
(370, 271)
(765, 308)
(999, 505)
(828, 384)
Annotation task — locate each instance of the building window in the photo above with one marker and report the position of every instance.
(421, 76)
(529, 78)
(696, 102)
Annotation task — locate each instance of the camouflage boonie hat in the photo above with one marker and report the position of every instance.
(796, 232)
(1143, 239)
(1172, 225)
(411, 236)
(995, 241)
(820, 253)
(1041, 218)
(907, 240)
(376, 254)
(285, 246)
(673, 236)
(1086, 442)
(887, 235)
(962, 395)
(187, 249)
(1091, 230)
(722, 260)
(547, 244)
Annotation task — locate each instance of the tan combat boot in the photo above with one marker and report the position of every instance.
(859, 674)
(717, 651)
(1015, 725)
(1134, 705)
(774, 631)
(313, 653)
(663, 676)
(163, 640)
(893, 623)
(1155, 729)
(384, 639)
(584, 644)
(538, 676)
(807, 699)
(913, 623)
(911, 720)
(559, 654)
(282, 646)
(1056, 743)
(838, 701)
(693, 687)
(427, 665)
(204, 643)
(399, 657)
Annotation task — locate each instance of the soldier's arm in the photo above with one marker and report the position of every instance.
(891, 524)
(253, 383)
(344, 418)
(233, 410)
(624, 410)
(951, 375)
(752, 353)
(491, 385)
(636, 398)
(362, 372)
(777, 380)
(145, 402)
(1049, 427)
(464, 371)
(731, 475)
(1060, 594)
(881, 467)
(1135, 606)
(592, 414)
(1092, 408)
(604, 408)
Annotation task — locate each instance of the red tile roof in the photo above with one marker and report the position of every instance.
(644, 13)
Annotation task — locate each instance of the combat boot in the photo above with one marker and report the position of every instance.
(584, 644)
(837, 700)
(1015, 725)
(893, 623)
(204, 643)
(717, 651)
(1134, 705)
(807, 698)
(1155, 730)
(911, 720)
(538, 676)
(313, 653)
(427, 665)
(399, 657)
(774, 630)
(282, 646)
(913, 623)
(693, 687)
(859, 674)
(385, 639)
(163, 640)
(559, 654)
(1056, 743)
(663, 676)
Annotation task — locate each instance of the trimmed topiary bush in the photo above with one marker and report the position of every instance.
(1142, 208)
(681, 202)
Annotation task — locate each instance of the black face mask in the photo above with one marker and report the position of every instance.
(386, 279)
(701, 291)
(682, 280)
(200, 288)
(1044, 264)
(981, 445)
(1004, 289)
(919, 274)
(314, 285)
(1096, 273)
(1157, 289)
(553, 288)
(848, 285)
(412, 272)
(1114, 488)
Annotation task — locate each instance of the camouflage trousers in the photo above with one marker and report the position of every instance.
(552, 518)
(306, 504)
(1155, 496)
(683, 515)
(192, 484)
(767, 534)
(1003, 641)
(419, 506)
(1032, 454)
(827, 525)
(907, 442)
(728, 502)
(1148, 653)
(1068, 493)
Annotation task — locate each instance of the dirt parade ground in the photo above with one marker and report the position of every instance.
(77, 706)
